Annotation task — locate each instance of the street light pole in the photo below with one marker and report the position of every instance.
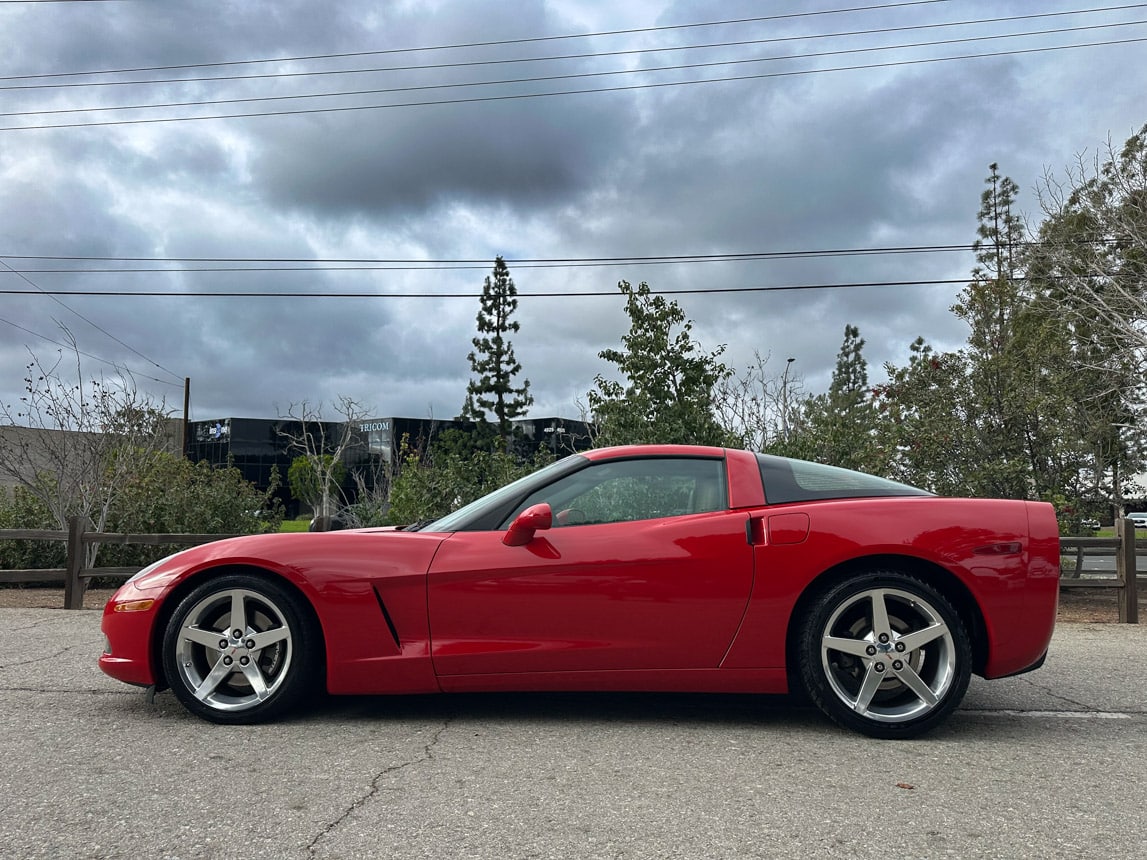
(785, 400)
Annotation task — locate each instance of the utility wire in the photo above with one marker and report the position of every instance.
(498, 42)
(106, 361)
(421, 67)
(623, 88)
(457, 265)
(828, 252)
(336, 264)
(573, 75)
(281, 294)
(52, 295)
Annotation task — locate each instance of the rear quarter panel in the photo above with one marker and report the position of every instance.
(1004, 554)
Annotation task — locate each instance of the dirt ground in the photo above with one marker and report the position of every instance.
(1086, 605)
(48, 597)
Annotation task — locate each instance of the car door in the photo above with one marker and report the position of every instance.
(644, 568)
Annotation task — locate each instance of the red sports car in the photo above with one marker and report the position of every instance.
(670, 568)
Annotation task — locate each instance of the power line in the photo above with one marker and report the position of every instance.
(52, 295)
(819, 252)
(572, 75)
(493, 43)
(422, 67)
(416, 265)
(339, 264)
(281, 294)
(624, 88)
(79, 351)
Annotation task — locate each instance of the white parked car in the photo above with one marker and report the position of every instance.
(1140, 520)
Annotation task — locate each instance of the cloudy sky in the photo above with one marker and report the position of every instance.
(374, 157)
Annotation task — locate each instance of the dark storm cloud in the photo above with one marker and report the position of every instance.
(400, 163)
(387, 164)
(771, 170)
(98, 36)
(799, 176)
(885, 157)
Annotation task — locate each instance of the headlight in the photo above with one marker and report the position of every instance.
(155, 565)
(147, 569)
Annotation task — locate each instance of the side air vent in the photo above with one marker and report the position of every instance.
(386, 617)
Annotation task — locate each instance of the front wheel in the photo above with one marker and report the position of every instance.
(240, 649)
(885, 654)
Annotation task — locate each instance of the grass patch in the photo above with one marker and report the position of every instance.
(297, 525)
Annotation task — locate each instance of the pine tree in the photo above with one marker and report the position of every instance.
(839, 427)
(996, 306)
(492, 362)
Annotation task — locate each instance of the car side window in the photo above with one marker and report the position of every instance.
(639, 489)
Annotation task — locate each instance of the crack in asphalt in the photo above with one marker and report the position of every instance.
(375, 787)
(22, 629)
(1050, 692)
(68, 690)
(53, 656)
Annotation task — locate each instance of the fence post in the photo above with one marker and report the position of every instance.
(1125, 570)
(73, 585)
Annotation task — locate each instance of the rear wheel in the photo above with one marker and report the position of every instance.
(240, 649)
(885, 654)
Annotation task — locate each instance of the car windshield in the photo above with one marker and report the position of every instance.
(480, 510)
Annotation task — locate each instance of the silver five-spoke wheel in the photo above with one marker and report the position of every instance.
(236, 648)
(885, 654)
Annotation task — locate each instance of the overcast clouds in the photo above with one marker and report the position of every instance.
(882, 157)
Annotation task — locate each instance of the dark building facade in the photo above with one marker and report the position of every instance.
(383, 437)
(258, 446)
(255, 446)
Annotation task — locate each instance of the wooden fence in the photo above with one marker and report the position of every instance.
(75, 576)
(1075, 553)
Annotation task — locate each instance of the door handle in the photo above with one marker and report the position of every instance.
(755, 531)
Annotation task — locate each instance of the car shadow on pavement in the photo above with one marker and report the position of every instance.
(669, 708)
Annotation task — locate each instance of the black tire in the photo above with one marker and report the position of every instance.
(248, 672)
(885, 654)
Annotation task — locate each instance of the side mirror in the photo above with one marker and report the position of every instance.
(521, 530)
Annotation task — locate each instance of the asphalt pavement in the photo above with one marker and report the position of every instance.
(1052, 764)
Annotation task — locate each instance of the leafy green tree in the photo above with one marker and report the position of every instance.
(492, 361)
(996, 408)
(922, 426)
(176, 496)
(1005, 409)
(21, 509)
(319, 471)
(1038, 414)
(470, 438)
(666, 393)
(316, 479)
(434, 482)
(170, 496)
(839, 427)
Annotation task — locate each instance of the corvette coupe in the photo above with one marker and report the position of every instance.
(643, 568)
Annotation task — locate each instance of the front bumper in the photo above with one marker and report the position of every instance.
(128, 621)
